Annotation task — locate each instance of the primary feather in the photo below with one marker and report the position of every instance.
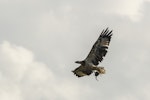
(100, 47)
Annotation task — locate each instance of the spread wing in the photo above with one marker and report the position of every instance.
(100, 47)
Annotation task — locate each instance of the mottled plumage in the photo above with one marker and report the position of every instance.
(95, 56)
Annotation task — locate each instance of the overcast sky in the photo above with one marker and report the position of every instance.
(41, 39)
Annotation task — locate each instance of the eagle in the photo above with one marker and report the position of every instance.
(98, 51)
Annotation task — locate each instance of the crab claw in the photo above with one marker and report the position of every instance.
(96, 74)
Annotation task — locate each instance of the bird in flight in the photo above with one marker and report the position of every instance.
(98, 51)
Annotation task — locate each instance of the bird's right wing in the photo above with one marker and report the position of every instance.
(100, 47)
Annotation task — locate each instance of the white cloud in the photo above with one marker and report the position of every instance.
(60, 32)
(24, 78)
(19, 69)
(129, 8)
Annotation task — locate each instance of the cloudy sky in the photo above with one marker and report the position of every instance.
(41, 39)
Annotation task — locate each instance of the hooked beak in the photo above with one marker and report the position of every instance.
(80, 62)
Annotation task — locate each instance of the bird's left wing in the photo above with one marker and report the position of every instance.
(100, 47)
(82, 71)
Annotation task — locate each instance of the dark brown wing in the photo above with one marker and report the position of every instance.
(100, 47)
(82, 71)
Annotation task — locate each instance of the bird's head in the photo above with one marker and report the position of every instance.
(78, 62)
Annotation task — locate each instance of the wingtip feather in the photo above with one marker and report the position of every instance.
(106, 32)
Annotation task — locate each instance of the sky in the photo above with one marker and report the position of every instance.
(41, 39)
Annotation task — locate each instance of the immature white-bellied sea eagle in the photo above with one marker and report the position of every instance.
(98, 51)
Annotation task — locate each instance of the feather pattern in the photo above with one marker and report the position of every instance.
(82, 71)
(100, 47)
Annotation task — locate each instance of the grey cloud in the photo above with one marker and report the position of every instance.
(61, 32)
